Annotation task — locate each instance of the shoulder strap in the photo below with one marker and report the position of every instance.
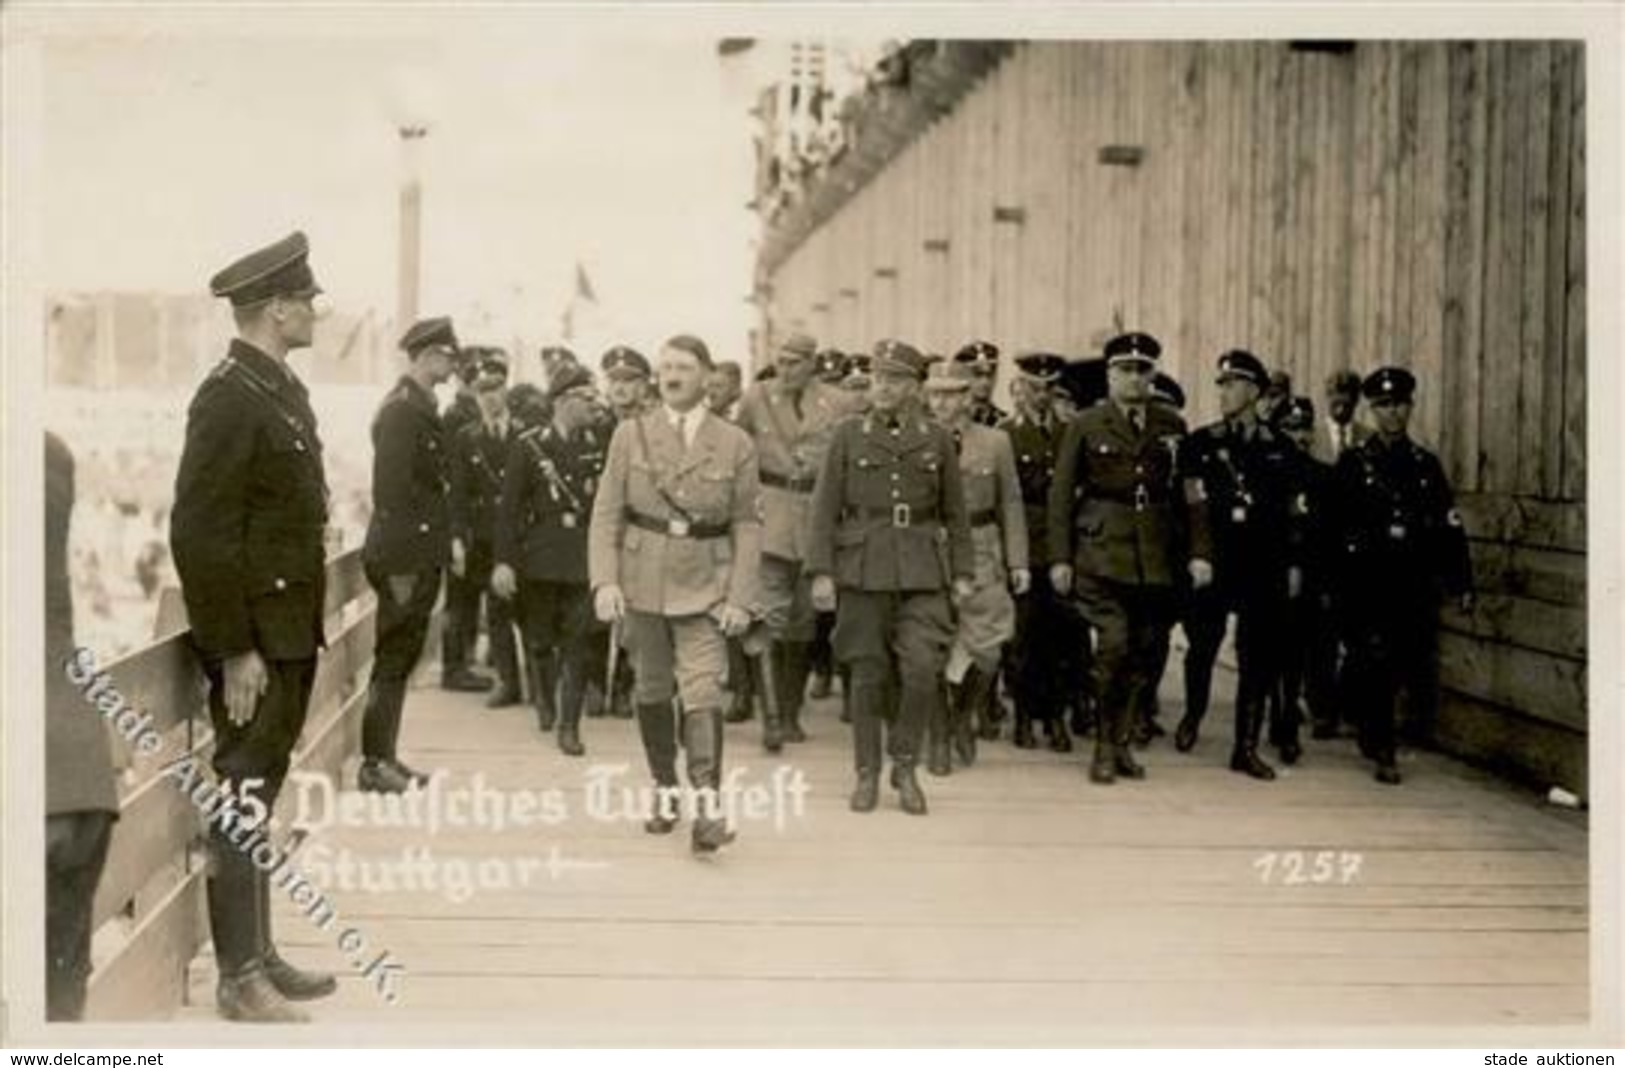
(643, 446)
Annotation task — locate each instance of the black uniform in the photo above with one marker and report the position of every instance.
(408, 542)
(458, 639)
(1309, 655)
(987, 413)
(541, 533)
(1402, 544)
(479, 458)
(1245, 474)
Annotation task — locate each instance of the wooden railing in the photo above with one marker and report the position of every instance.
(149, 915)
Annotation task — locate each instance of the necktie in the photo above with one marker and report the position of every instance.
(1136, 418)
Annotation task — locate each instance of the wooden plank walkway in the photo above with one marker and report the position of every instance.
(1029, 907)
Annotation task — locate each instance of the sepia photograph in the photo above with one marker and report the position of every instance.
(810, 526)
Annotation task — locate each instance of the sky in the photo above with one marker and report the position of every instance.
(171, 153)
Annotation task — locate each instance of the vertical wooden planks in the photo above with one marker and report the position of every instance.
(1193, 164)
(1535, 217)
(1426, 287)
(1556, 272)
(1504, 280)
(1574, 367)
(1467, 184)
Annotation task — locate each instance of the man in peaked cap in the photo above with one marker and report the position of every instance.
(1048, 662)
(1403, 545)
(1242, 473)
(247, 536)
(1119, 532)
(982, 357)
(888, 529)
(791, 419)
(408, 542)
(627, 376)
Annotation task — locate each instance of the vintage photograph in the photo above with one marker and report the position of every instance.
(620, 527)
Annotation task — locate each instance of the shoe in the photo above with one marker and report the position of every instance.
(909, 794)
(1059, 740)
(295, 984)
(414, 778)
(1023, 736)
(1247, 762)
(250, 997)
(1185, 735)
(1124, 764)
(866, 795)
(702, 740)
(939, 762)
(662, 811)
(1387, 774)
(1103, 768)
(820, 687)
(465, 681)
(570, 740)
(379, 777)
(739, 709)
(1290, 752)
(504, 697)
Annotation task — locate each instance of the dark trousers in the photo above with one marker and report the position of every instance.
(75, 851)
(1309, 662)
(821, 656)
(463, 600)
(1393, 649)
(560, 629)
(1127, 619)
(400, 631)
(263, 747)
(894, 643)
(1261, 618)
(1050, 654)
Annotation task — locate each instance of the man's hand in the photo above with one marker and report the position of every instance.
(823, 593)
(963, 588)
(609, 604)
(1060, 577)
(733, 620)
(503, 582)
(1021, 580)
(459, 557)
(401, 587)
(1201, 574)
(246, 683)
(1294, 582)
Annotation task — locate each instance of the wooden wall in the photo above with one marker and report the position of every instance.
(1420, 203)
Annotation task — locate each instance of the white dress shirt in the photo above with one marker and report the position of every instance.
(687, 424)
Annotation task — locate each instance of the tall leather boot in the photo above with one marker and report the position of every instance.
(572, 691)
(975, 692)
(846, 693)
(1122, 730)
(702, 738)
(1023, 736)
(545, 699)
(1103, 766)
(939, 759)
(1249, 725)
(658, 728)
(1198, 687)
(741, 684)
(764, 667)
(868, 751)
(244, 992)
(1060, 739)
(918, 705)
(795, 662)
(292, 983)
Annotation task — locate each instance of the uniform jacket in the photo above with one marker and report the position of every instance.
(790, 448)
(873, 473)
(1116, 510)
(1323, 449)
(250, 512)
(986, 413)
(478, 462)
(993, 502)
(1396, 521)
(79, 773)
(411, 527)
(712, 482)
(547, 503)
(1249, 486)
(1035, 445)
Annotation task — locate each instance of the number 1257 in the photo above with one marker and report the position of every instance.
(1297, 868)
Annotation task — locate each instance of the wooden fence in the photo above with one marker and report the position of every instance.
(1411, 202)
(149, 915)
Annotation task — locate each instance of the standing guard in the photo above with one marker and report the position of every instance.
(1243, 472)
(408, 542)
(1118, 536)
(460, 634)
(247, 536)
(541, 548)
(982, 357)
(889, 531)
(998, 528)
(479, 457)
(673, 549)
(1403, 545)
(791, 419)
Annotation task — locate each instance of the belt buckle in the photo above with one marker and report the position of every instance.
(677, 528)
(901, 516)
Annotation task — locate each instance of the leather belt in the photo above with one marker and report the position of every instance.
(897, 515)
(783, 482)
(678, 528)
(987, 517)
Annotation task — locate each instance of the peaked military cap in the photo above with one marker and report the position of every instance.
(426, 332)
(623, 361)
(859, 364)
(553, 353)
(1044, 366)
(1298, 413)
(1343, 383)
(1134, 347)
(831, 362)
(898, 357)
(1239, 363)
(982, 356)
(1389, 383)
(567, 377)
(1084, 381)
(275, 270)
(1165, 388)
(947, 377)
(800, 344)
